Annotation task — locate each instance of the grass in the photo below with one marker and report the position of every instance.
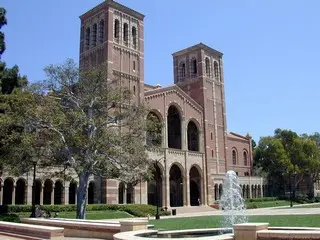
(266, 204)
(316, 205)
(90, 215)
(215, 221)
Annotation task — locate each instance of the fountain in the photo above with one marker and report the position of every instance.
(232, 202)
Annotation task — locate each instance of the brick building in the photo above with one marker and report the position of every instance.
(196, 148)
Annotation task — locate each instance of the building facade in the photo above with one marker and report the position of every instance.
(195, 150)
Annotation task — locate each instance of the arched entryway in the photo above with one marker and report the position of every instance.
(91, 190)
(155, 187)
(38, 189)
(174, 128)
(130, 193)
(72, 192)
(8, 191)
(176, 186)
(121, 191)
(193, 137)
(216, 192)
(21, 192)
(58, 192)
(47, 191)
(195, 187)
(220, 190)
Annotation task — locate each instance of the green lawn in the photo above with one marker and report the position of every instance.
(266, 204)
(215, 221)
(316, 205)
(91, 215)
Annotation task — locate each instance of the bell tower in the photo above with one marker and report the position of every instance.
(198, 71)
(113, 34)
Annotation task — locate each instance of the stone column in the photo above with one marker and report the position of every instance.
(29, 194)
(1, 193)
(14, 194)
(163, 191)
(66, 194)
(41, 195)
(187, 185)
(52, 196)
(76, 195)
(184, 144)
(167, 186)
(125, 195)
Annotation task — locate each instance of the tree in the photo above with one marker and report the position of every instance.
(96, 127)
(9, 78)
(3, 21)
(287, 157)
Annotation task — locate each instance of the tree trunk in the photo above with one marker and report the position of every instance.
(82, 195)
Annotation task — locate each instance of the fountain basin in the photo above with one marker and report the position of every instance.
(190, 234)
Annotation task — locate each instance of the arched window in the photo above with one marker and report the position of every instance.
(193, 137)
(101, 31)
(94, 35)
(216, 69)
(234, 157)
(193, 67)
(134, 90)
(134, 37)
(174, 128)
(182, 70)
(87, 40)
(116, 29)
(154, 127)
(125, 33)
(134, 65)
(208, 67)
(245, 158)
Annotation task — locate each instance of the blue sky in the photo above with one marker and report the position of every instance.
(271, 50)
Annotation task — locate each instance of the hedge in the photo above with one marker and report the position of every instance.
(10, 218)
(264, 199)
(137, 210)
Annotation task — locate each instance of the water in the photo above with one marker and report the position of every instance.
(232, 202)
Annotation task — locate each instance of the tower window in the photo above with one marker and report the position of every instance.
(134, 90)
(193, 67)
(182, 70)
(125, 33)
(211, 136)
(94, 35)
(212, 153)
(101, 31)
(208, 67)
(134, 37)
(216, 69)
(87, 40)
(134, 65)
(116, 29)
(245, 158)
(234, 157)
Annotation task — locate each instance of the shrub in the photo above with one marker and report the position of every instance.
(137, 210)
(264, 199)
(10, 218)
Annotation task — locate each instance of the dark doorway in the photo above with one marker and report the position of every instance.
(121, 193)
(47, 191)
(20, 192)
(58, 193)
(7, 191)
(176, 187)
(195, 187)
(72, 192)
(91, 190)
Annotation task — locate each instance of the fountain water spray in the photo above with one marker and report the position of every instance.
(232, 202)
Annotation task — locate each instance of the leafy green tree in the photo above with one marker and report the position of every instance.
(9, 78)
(287, 157)
(95, 126)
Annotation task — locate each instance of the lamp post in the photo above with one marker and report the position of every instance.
(33, 211)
